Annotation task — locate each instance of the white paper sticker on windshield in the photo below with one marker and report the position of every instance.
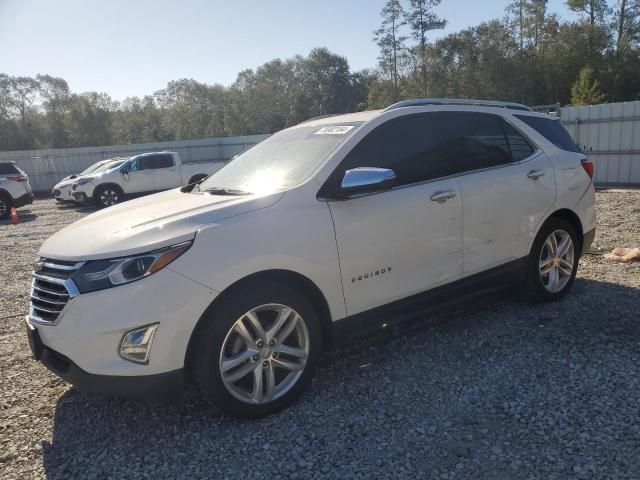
(334, 130)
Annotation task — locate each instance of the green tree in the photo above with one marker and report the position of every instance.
(587, 90)
(422, 20)
(391, 42)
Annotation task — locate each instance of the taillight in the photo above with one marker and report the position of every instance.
(18, 178)
(588, 167)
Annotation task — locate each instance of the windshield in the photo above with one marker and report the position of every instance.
(108, 166)
(283, 160)
(91, 168)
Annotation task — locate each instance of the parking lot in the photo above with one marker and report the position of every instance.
(496, 389)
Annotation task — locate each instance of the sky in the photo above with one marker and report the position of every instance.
(135, 47)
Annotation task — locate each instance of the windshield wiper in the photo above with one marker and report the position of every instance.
(225, 191)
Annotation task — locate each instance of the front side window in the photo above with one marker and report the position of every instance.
(407, 145)
(283, 160)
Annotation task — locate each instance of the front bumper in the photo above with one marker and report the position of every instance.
(162, 386)
(82, 346)
(81, 197)
(63, 193)
(23, 200)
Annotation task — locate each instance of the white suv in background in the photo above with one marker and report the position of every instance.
(328, 229)
(15, 189)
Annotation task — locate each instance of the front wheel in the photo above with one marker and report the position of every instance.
(257, 351)
(108, 195)
(553, 261)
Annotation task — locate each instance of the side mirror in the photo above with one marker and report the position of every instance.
(366, 180)
(124, 169)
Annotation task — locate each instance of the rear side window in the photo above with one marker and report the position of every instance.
(520, 148)
(8, 169)
(477, 141)
(552, 130)
(164, 160)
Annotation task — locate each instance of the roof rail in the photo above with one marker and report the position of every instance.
(419, 102)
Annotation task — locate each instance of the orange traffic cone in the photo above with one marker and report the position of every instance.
(14, 216)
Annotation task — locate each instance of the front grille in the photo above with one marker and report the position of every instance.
(51, 289)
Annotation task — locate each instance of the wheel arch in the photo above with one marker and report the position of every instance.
(298, 281)
(97, 188)
(6, 194)
(571, 217)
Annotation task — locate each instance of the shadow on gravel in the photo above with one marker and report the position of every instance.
(24, 216)
(496, 389)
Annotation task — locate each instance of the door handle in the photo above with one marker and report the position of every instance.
(442, 197)
(535, 174)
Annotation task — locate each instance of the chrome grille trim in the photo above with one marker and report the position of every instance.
(51, 294)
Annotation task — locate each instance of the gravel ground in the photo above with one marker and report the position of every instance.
(498, 389)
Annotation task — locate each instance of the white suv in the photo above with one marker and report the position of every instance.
(333, 227)
(15, 189)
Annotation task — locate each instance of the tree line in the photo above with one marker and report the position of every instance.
(530, 56)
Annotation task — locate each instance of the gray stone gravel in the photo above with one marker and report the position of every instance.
(499, 389)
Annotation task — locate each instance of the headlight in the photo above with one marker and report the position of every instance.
(101, 274)
(85, 180)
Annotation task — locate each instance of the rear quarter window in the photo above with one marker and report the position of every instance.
(552, 130)
(8, 169)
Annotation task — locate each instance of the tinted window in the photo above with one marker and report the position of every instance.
(8, 169)
(147, 162)
(552, 130)
(164, 160)
(407, 145)
(520, 148)
(479, 140)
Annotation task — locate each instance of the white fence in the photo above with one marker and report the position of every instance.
(609, 134)
(46, 167)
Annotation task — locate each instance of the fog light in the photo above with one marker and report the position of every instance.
(136, 344)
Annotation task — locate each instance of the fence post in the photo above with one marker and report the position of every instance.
(51, 172)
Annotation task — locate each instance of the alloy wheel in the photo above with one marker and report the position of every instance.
(264, 353)
(3, 208)
(556, 261)
(109, 198)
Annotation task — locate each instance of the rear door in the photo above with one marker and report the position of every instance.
(407, 240)
(507, 186)
(166, 174)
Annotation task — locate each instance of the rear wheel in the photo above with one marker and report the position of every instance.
(553, 261)
(258, 351)
(108, 195)
(5, 206)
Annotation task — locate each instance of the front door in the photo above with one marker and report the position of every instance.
(140, 177)
(404, 241)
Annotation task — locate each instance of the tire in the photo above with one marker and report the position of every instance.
(196, 178)
(5, 206)
(552, 286)
(218, 340)
(108, 195)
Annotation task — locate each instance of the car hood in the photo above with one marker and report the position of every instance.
(148, 223)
